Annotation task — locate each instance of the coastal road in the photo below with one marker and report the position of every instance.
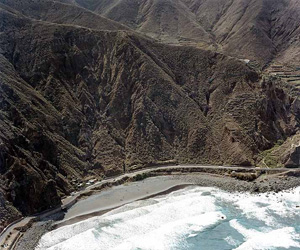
(70, 200)
(67, 201)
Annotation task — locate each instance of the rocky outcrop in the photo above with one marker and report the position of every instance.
(294, 158)
(8, 213)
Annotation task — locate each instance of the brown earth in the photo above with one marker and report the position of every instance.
(82, 96)
(260, 30)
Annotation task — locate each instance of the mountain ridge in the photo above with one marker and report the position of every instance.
(254, 28)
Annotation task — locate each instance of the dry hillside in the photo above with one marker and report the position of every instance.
(81, 95)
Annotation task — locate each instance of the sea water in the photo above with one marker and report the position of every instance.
(190, 218)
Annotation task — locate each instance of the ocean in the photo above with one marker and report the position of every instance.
(190, 218)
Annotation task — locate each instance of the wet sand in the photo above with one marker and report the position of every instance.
(100, 212)
(117, 196)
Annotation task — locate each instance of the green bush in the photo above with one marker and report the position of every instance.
(140, 177)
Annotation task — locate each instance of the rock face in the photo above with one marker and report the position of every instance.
(81, 98)
(294, 158)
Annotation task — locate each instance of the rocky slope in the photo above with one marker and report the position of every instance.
(167, 20)
(260, 30)
(283, 154)
(83, 99)
(61, 13)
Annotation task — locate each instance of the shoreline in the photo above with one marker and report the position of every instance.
(220, 178)
(228, 184)
(79, 218)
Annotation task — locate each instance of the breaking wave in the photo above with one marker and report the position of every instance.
(190, 218)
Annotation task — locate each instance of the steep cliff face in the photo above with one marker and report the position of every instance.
(76, 101)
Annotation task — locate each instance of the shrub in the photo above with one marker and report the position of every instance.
(140, 177)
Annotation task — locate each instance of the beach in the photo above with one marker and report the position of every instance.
(117, 196)
(101, 202)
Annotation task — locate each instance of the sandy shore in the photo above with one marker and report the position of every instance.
(119, 195)
(106, 200)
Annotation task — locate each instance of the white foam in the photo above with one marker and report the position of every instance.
(284, 237)
(167, 219)
(167, 222)
(251, 205)
(169, 235)
(231, 241)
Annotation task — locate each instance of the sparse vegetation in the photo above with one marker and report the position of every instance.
(140, 177)
(268, 159)
(244, 176)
